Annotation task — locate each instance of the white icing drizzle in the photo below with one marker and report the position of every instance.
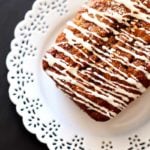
(105, 113)
(139, 14)
(71, 37)
(133, 54)
(112, 83)
(112, 92)
(86, 32)
(122, 60)
(60, 79)
(88, 46)
(107, 14)
(132, 36)
(102, 25)
(115, 87)
(74, 58)
(143, 6)
(146, 31)
(107, 97)
(147, 54)
(141, 45)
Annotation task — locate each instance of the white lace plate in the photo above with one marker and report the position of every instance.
(45, 110)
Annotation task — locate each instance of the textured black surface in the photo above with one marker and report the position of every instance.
(13, 135)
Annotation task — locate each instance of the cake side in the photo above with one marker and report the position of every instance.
(101, 59)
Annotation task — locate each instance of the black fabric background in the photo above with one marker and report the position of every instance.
(13, 135)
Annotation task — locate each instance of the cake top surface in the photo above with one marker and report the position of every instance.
(105, 52)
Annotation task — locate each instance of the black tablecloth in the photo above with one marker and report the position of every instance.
(13, 135)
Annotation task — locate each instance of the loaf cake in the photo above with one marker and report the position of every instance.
(101, 60)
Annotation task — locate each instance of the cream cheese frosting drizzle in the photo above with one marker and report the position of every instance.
(116, 94)
(135, 11)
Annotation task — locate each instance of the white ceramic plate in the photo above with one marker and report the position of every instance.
(45, 110)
